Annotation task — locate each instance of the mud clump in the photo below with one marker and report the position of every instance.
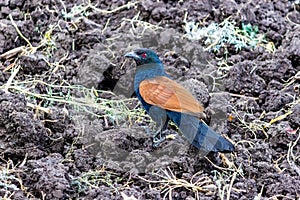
(49, 175)
(20, 134)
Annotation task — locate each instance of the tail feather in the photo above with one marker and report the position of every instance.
(199, 134)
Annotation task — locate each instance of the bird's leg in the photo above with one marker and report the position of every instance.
(158, 138)
(159, 115)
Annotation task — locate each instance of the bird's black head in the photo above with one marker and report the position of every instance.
(143, 56)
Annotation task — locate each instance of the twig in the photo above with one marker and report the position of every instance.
(128, 5)
(230, 185)
(46, 110)
(11, 78)
(280, 196)
(258, 196)
(243, 96)
(251, 144)
(12, 52)
(291, 154)
(279, 118)
(289, 20)
(19, 32)
(220, 168)
(106, 25)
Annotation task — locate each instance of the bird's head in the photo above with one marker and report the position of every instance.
(143, 56)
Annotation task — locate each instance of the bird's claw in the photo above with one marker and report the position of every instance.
(157, 142)
(158, 139)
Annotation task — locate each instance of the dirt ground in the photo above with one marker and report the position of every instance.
(71, 127)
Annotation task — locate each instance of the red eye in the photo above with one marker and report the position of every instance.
(144, 55)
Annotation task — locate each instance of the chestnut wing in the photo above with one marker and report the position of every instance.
(168, 94)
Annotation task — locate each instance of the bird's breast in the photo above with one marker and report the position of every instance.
(147, 72)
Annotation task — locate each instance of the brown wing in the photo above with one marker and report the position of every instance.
(166, 93)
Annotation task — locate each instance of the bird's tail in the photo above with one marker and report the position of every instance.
(200, 135)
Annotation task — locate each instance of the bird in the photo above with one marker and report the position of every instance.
(166, 100)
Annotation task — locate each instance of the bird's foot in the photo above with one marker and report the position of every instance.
(157, 142)
(158, 138)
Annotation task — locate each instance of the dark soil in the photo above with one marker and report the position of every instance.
(51, 149)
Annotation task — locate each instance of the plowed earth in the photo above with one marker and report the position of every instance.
(56, 144)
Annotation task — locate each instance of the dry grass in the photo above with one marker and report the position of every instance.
(95, 178)
(10, 182)
(89, 101)
(169, 182)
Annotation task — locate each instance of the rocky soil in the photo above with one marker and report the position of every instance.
(71, 127)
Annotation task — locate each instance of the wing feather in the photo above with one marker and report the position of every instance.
(166, 93)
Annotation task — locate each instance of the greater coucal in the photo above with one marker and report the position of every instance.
(165, 100)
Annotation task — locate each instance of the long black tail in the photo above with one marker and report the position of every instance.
(199, 134)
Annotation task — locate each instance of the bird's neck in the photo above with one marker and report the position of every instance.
(147, 71)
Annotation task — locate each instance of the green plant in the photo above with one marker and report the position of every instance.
(98, 177)
(217, 36)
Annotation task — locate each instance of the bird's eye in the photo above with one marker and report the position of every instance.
(144, 55)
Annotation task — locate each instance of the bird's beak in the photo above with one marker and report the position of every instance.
(132, 55)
